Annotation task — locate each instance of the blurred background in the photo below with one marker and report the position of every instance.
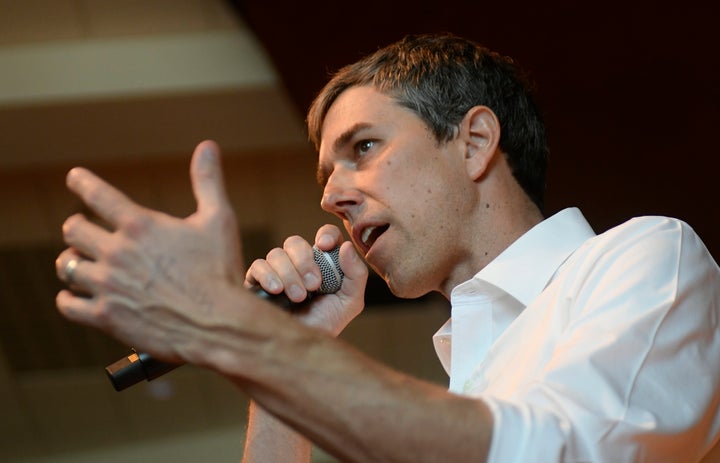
(631, 94)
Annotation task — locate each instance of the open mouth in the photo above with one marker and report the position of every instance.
(370, 234)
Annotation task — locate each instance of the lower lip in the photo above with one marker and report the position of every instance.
(374, 245)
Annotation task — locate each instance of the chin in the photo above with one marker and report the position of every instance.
(404, 290)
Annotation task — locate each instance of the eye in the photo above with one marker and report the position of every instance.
(363, 146)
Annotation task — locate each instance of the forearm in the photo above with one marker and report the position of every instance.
(359, 410)
(268, 439)
(353, 407)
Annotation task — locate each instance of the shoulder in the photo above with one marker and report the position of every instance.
(652, 237)
(646, 256)
(655, 228)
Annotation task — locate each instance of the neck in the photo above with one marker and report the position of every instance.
(503, 214)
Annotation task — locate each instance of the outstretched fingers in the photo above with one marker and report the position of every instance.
(77, 303)
(83, 235)
(109, 203)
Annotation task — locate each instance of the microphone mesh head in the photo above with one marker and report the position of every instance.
(330, 271)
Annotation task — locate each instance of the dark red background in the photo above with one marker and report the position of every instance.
(630, 91)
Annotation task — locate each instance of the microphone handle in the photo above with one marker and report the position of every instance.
(140, 366)
(136, 367)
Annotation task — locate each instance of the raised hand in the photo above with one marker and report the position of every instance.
(148, 279)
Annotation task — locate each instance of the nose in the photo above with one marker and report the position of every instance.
(339, 195)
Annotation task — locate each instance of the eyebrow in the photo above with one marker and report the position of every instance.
(339, 144)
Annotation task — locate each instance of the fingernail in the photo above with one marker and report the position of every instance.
(325, 241)
(310, 280)
(273, 285)
(296, 292)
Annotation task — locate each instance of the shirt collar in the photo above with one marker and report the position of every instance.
(525, 268)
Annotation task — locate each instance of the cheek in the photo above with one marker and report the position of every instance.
(414, 184)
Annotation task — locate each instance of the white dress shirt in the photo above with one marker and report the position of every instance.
(592, 348)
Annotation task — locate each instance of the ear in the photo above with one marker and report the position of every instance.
(480, 130)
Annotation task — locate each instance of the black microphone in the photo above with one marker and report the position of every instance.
(140, 366)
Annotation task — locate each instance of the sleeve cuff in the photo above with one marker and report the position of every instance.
(523, 434)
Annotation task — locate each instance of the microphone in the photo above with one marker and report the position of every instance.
(139, 366)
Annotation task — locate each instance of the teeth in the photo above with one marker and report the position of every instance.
(366, 235)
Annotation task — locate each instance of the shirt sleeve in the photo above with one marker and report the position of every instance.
(634, 373)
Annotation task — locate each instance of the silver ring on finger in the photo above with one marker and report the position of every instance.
(70, 269)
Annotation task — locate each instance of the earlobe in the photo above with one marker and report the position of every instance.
(481, 132)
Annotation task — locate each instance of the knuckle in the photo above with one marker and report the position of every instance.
(109, 282)
(293, 240)
(274, 254)
(101, 278)
(328, 228)
(111, 251)
(116, 252)
(136, 224)
(103, 314)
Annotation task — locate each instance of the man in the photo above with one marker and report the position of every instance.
(562, 346)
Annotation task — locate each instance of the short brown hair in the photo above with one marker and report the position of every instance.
(440, 77)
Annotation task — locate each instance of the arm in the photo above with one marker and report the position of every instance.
(173, 287)
(269, 439)
(359, 410)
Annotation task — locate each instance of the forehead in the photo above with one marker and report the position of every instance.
(362, 105)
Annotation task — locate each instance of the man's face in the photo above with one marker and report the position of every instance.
(402, 196)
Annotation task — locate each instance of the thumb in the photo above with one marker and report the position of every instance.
(207, 177)
(355, 271)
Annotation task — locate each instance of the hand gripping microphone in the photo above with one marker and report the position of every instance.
(140, 366)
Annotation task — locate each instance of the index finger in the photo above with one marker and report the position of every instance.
(109, 203)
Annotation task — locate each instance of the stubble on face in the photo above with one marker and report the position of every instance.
(412, 181)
